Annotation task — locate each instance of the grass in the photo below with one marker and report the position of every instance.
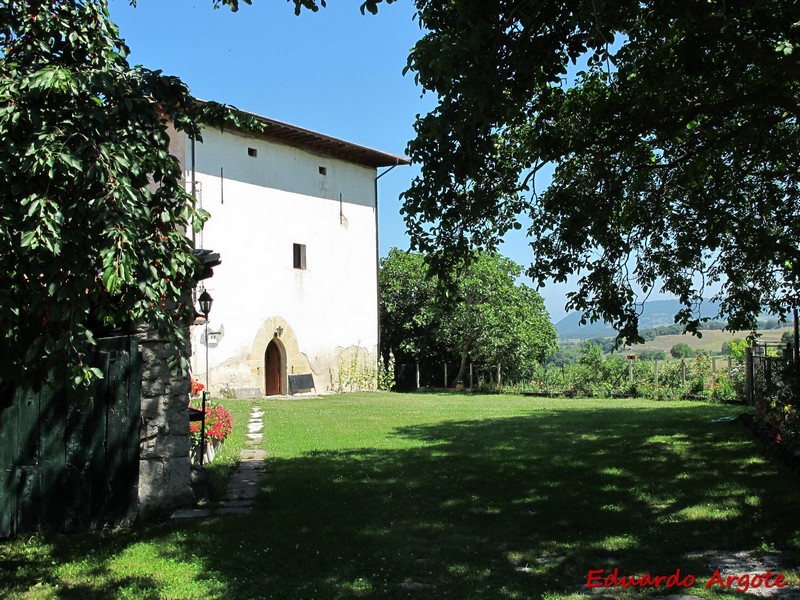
(448, 496)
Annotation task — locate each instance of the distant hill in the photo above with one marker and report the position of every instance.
(655, 314)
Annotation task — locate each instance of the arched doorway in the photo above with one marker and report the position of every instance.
(273, 369)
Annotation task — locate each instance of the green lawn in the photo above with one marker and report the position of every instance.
(449, 496)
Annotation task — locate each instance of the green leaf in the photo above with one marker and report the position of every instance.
(28, 239)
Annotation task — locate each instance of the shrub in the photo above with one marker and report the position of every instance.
(681, 350)
(779, 419)
(219, 423)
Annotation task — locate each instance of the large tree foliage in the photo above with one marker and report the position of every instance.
(481, 315)
(93, 210)
(672, 127)
(312, 5)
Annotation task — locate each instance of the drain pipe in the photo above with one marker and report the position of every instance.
(194, 184)
(378, 263)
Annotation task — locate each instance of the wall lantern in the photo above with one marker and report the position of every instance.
(205, 301)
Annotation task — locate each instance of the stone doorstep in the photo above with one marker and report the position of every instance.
(238, 503)
(241, 482)
(245, 493)
(234, 510)
(253, 454)
(253, 466)
(191, 513)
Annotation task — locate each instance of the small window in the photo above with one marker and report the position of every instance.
(323, 170)
(299, 256)
(252, 152)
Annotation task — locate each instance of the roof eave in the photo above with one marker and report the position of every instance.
(323, 144)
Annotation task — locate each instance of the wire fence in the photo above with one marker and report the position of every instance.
(720, 378)
(765, 369)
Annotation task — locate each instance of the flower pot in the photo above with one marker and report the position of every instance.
(212, 447)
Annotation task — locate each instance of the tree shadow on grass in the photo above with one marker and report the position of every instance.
(486, 509)
(33, 576)
(499, 508)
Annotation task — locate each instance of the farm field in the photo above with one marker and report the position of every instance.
(381, 495)
(710, 342)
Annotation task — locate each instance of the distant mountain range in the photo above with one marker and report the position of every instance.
(655, 314)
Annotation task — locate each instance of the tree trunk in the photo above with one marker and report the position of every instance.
(462, 369)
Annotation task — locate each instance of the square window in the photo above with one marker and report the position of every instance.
(299, 256)
(252, 152)
(323, 170)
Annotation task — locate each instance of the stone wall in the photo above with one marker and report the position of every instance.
(164, 464)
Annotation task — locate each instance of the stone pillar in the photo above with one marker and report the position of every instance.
(164, 464)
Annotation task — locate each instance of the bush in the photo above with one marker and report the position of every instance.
(681, 350)
(779, 420)
(219, 423)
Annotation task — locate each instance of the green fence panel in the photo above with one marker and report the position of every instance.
(29, 487)
(84, 448)
(132, 436)
(72, 463)
(9, 475)
(52, 428)
(119, 468)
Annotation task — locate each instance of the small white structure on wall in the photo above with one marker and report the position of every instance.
(294, 218)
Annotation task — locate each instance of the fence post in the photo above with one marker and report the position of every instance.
(795, 351)
(417, 364)
(445, 375)
(767, 361)
(655, 369)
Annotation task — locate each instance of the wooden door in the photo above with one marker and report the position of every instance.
(272, 370)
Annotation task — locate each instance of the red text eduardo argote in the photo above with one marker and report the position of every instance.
(740, 583)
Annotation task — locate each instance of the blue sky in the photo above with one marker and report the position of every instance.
(335, 71)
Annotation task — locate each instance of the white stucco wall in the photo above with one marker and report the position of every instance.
(259, 208)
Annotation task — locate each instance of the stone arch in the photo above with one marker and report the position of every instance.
(278, 330)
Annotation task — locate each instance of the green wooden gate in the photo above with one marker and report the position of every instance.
(72, 465)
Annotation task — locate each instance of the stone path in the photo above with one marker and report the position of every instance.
(245, 480)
